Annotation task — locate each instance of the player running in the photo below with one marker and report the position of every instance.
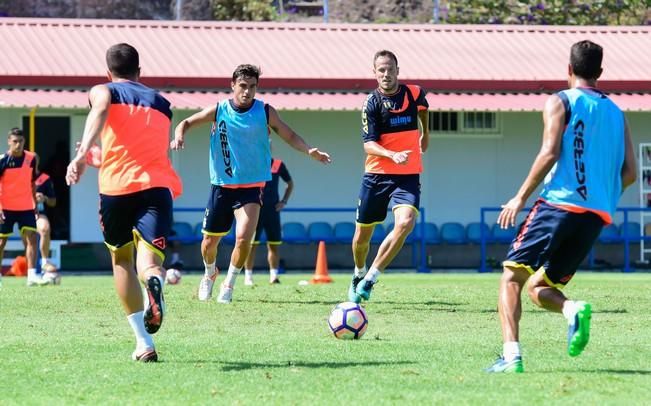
(240, 154)
(394, 145)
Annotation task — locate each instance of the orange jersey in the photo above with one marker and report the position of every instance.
(16, 181)
(392, 122)
(135, 142)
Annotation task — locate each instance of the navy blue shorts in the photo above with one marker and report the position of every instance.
(219, 216)
(26, 220)
(554, 239)
(379, 190)
(147, 214)
(269, 221)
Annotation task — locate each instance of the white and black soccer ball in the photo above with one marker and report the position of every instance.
(348, 321)
(173, 276)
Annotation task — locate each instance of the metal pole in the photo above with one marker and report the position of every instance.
(435, 12)
(423, 252)
(627, 252)
(179, 9)
(482, 242)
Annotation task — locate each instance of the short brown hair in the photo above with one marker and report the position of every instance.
(585, 59)
(387, 54)
(17, 132)
(123, 61)
(246, 71)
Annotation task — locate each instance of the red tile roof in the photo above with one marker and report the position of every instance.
(316, 101)
(66, 52)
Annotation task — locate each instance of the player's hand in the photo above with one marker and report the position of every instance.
(75, 169)
(280, 205)
(40, 197)
(178, 142)
(401, 157)
(2, 217)
(322, 157)
(509, 212)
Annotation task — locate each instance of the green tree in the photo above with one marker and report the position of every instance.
(552, 12)
(244, 10)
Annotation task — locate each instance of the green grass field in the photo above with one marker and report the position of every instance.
(429, 338)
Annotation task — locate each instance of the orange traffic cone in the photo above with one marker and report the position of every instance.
(321, 272)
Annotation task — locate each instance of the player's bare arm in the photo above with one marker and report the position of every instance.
(100, 101)
(288, 192)
(293, 139)
(423, 116)
(553, 123)
(629, 170)
(399, 157)
(206, 115)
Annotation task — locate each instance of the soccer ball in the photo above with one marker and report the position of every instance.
(50, 274)
(173, 276)
(348, 321)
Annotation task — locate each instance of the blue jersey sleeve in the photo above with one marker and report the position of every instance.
(370, 130)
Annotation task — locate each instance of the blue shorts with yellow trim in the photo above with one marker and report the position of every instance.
(147, 213)
(554, 239)
(269, 222)
(222, 201)
(380, 190)
(26, 220)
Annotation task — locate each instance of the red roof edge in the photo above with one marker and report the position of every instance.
(316, 84)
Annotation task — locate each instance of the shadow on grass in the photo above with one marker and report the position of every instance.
(241, 366)
(600, 371)
(605, 311)
(379, 302)
(622, 371)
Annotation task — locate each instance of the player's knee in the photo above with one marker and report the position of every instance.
(30, 237)
(533, 290)
(360, 240)
(404, 226)
(514, 275)
(242, 241)
(211, 240)
(44, 229)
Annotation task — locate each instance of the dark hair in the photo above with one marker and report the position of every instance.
(246, 71)
(17, 132)
(387, 54)
(585, 59)
(123, 61)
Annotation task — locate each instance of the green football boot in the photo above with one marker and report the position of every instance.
(578, 334)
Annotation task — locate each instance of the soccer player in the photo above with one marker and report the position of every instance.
(45, 197)
(393, 144)
(586, 160)
(136, 183)
(269, 221)
(239, 167)
(17, 174)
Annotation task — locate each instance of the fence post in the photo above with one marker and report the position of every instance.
(627, 253)
(423, 268)
(482, 241)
